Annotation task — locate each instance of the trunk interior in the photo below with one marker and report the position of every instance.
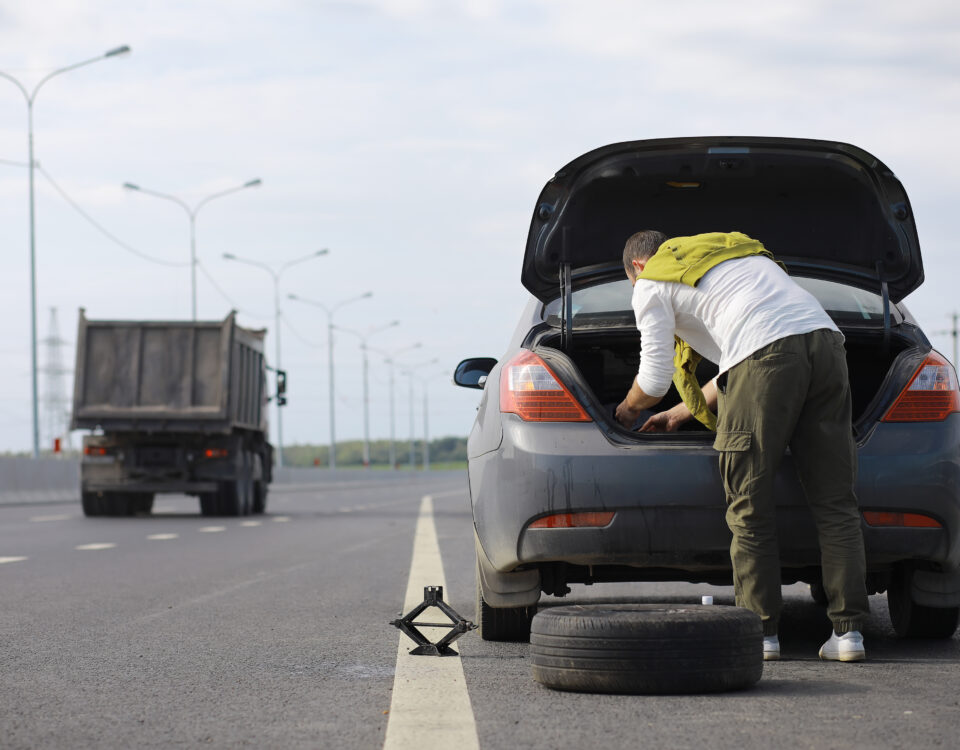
(608, 362)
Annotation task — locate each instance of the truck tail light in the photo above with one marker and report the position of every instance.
(586, 519)
(930, 396)
(216, 453)
(95, 450)
(529, 389)
(910, 520)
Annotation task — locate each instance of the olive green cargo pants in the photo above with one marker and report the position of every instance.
(794, 392)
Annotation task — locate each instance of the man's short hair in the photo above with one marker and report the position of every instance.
(641, 246)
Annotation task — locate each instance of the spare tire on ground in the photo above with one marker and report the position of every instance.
(646, 648)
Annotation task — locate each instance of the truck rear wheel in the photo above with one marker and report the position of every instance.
(117, 503)
(91, 504)
(259, 497)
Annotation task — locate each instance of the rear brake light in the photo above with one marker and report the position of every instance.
(94, 450)
(574, 520)
(912, 520)
(215, 453)
(930, 395)
(529, 389)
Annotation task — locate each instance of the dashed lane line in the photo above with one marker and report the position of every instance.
(281, 519)
(12, 559)
(163, 537)
(430, 707)
(211, 529)
(96, 545)
(41, 519)
(251, 523)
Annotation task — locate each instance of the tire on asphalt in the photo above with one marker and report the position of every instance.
(646, 648)
(259, 497)
(912, 620)
(117, 503)
(91, 503)
(208, 503)
(510, 624)
(142, 503)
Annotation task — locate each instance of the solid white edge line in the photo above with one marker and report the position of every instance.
(430, 707)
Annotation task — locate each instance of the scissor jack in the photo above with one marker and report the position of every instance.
(433, 597)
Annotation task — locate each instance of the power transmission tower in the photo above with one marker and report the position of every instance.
(952, 332)
(56, 407)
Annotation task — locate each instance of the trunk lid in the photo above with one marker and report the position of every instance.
(828, 210)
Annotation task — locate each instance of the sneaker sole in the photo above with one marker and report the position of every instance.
(855, 656)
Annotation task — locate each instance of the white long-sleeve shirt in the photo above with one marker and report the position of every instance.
(738, 307)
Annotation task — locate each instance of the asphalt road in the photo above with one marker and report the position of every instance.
(272, 632)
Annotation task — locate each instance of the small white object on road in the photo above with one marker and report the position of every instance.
(706, 599)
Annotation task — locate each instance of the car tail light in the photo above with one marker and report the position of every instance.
(574, 520)
(216, 453)
(930, 396)
(911, 520)
(529, 389)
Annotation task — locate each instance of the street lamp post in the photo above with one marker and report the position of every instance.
(330, 311)
(389, 360)
(366, 382)
(192, 213)
(275, 274)
(409, 372)
(30, 97)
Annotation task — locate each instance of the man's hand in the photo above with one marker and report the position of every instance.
(634, 403)
(626, 415)
(662, 422)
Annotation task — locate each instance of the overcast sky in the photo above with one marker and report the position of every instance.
(411, 138)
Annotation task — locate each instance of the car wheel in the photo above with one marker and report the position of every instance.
(818, 594)
(646, 648)
(502, 623)
(912, 620)
(91, 504)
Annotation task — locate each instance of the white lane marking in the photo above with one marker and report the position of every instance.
(163, 536)
(40, 519)
(11, 559)
(281, 519)
(96, 545)
(211, 529)
(421, 684)
(251, 523)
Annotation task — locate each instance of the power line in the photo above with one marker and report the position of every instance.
(103, 230)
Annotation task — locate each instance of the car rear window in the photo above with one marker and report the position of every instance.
(611, 301)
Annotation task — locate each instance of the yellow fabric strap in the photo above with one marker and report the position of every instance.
(685, 361)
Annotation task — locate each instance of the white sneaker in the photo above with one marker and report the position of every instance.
(771, 648)
(846, 647)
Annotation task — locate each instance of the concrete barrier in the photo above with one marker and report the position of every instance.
(39, 480)
(25, 480)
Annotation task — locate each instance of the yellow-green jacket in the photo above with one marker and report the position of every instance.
(686, 260)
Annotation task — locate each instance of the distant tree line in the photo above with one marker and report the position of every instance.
(443, 451)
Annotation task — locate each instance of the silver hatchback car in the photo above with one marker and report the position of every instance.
(562, 494)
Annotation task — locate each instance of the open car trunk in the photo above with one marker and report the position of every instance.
(607, 362)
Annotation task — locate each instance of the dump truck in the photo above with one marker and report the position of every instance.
(173, 407)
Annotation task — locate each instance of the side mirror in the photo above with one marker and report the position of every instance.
(281, 387)
(473, 372)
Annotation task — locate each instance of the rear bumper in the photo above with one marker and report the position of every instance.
(669, 499)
